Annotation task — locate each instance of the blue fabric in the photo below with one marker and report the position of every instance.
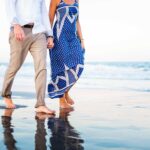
(62, 86)
(67, 55)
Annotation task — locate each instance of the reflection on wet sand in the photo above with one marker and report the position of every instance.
(40, 134)
(9, 139)
(64, 136)
(61, 135)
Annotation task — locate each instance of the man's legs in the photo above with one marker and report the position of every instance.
(18, 52)
(38, 50)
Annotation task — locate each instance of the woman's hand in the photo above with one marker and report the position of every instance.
(50, 43)
(82, 44)
(79, 34)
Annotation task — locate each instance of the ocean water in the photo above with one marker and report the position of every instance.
(111, 113)
(100, 75)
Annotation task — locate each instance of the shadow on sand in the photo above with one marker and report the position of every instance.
(17, 107)
(22, 95)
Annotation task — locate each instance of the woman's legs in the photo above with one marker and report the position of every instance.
(68, 98)
(63, 103)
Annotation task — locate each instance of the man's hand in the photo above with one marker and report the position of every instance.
(50, 43)
(19, 33)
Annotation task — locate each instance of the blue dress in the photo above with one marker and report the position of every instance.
(67, 55)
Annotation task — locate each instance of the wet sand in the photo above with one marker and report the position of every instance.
(101, 120)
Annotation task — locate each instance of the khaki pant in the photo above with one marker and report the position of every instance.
(37, 46)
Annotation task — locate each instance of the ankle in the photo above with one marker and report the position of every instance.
(62, 102)
(67, 96)
(7, 99)
(41, 106)
(67, 93)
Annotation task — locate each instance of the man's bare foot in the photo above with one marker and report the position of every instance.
(9, 103)
(43, 116)
(64, 104)
(44, 109)
(69, 99)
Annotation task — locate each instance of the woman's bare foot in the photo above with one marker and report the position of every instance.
(9, 103)
(64, 104)
(44, 109)
(8, 112)
(69, 99)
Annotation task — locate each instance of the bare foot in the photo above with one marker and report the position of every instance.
(64, 104)
(8, 112)
(9, 103)
(69, 99)
(43, 116)
(64, 112)
(44, 109)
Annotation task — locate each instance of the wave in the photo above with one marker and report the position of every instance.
(100, 70)
(118, 70)
(131, 76)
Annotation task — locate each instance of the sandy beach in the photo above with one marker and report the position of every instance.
(101, 120)
(111, 112)
(112, 96)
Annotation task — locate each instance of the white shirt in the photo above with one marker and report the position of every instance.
(29, 11)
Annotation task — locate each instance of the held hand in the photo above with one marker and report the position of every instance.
(50, 43)
(19, 33)
(82, 44)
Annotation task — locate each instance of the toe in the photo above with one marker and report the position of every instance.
(51, 112)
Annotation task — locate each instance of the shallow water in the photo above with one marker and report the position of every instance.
(133, 76)
(112, 112)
